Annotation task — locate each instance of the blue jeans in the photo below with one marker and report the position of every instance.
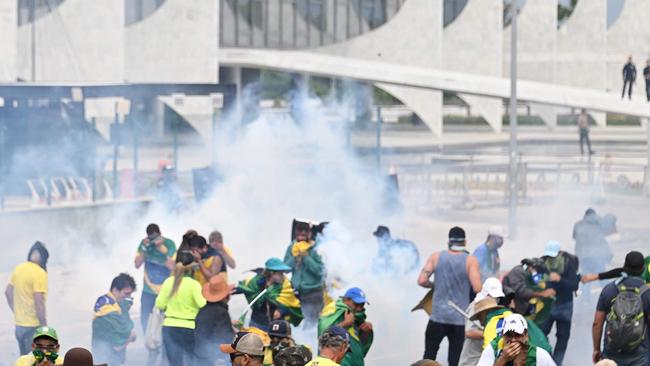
(179, 345)
(561, 315)
(24, 337)
(147, 302)
(639, 357)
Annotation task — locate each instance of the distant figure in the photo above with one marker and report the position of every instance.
(487, 253)
(629, 77)
(583, 129)
(396, 255)
(591, 246)
(646, 76)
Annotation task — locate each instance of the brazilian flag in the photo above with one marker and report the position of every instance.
(646, 270)
(539, 308)
(332, 315)
(280, 295)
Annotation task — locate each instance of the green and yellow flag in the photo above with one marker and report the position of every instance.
(280, 295)
(333, 314)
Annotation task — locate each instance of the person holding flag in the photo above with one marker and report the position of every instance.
(349, 313)
(271, 296)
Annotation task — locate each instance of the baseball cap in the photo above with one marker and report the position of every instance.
(515, 323)
(279, 328)
(46, 332)
(552, 248)
(246, 343)
(338, 332)
(492, 287)
(456, 235)
(496, 231)
(293, 356)
(634, 263)
(277, 265)
(356, 295)
(381, 231)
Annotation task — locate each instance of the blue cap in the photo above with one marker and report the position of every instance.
(337, 331)
(552, 248)
(356, 295)
(276, 265)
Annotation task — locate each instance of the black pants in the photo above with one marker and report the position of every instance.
(311, 305)
(436, 332)
(647, 90)
(629, 92)
(179, 345)
(584, 138)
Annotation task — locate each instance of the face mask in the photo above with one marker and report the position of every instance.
(152, 237)
(39, 355)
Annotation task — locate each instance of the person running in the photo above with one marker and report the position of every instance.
(112, 327)
(349, 313)
(156, 253)
(180, 298)
(517, 348)
(583, 131)
(213, 323)
(277, 299)
(45, 349)
(307, 272)
(646, 76)
(223, 254)
(456, 274)
(246, 349)
(487, 254)
(333, 346)
(623, 311)
(528, 281)
(629, 77)
(563, 278)
(395, 256)
(26, 295)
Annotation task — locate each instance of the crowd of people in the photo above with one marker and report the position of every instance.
(489, 316)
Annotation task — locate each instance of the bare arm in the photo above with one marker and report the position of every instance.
(213, 270)
(474, 334)
(597, 333)
(139, 260)
(230, 261)
(427, 271)
(9, 294)
(39, 303)
(474, 273)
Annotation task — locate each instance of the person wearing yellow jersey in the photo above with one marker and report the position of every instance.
(206, 264)
(333, 344)
(45, 349)
(26, 295)
(181, 299)
(223, 254)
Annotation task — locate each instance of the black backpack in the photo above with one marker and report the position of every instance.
(626, 324)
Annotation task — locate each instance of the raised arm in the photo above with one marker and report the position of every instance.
(427, 271)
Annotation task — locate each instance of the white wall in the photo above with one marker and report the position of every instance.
(80, 40)
(8, 21)
(473, 43)
(177, 43)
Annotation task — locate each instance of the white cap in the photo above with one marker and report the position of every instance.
(492, 287)
(515, 323)
(497, 231)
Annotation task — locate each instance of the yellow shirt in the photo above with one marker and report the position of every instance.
(182, 308)
(28, 278)
(322, 361)
(29, 360)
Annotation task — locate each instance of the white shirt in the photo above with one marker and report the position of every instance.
(488, 358)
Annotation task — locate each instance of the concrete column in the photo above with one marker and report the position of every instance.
(419, 25)
(79, 40)
(537, 38)
(8, 30)
(188, 29)
(473, 43)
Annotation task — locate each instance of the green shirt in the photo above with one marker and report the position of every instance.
(646, 270)
(181, 309)
(155, 263)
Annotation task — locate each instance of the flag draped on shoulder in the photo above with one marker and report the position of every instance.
(281, 296)
(333, 314)
(111, 322)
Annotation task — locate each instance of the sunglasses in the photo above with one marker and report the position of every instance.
(233, 356)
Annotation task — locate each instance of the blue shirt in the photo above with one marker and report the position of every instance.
(488, 261)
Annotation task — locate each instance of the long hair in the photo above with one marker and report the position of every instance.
(183, 266)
